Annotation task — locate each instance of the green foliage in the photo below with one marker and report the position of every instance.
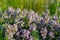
(35, 35)
(37, 5)
(1, 32)
(26, 25)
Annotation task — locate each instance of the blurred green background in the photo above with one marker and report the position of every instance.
(36, 5)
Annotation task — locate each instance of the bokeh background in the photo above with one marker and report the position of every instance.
(36, 5)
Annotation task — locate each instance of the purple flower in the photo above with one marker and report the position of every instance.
(25, 33)
(44, 32)
(36, 17)
(54, 22)
(31, 16)
(10, 11)
(30, 38)
(55, 17)
(20, 23)
(58, 25)
(17, 33)
(32, 27)
(51, 34)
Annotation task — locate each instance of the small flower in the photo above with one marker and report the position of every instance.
(20, 23)
(5, 15)
(51, 34)
(31, 12)
(30, 38)
(10, 11)
(55, 17)
(25, 33)
(24, 13)
(41, 18)
(31, 16)
(44, 32)
(54, 22)
(17, 33)
(58, 25)
(15, 26)
(36, 17)
(18, 10)
(47, 18)
(32, 27)
(42, 22)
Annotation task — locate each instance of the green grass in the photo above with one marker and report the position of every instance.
(35, 35)
(37, 5)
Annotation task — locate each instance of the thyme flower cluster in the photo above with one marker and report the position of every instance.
(19, 24)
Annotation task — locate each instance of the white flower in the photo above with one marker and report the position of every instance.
(41, 18)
